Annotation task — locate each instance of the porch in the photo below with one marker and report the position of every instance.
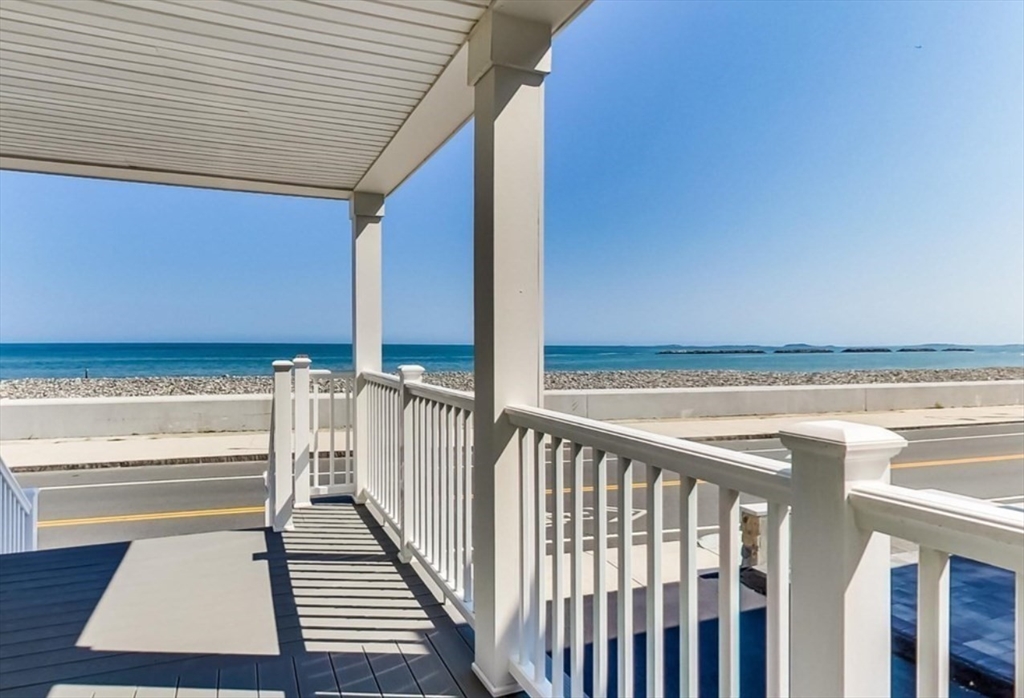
(325, 609)
(487, 495)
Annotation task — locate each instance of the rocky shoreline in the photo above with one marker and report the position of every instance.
(27, 388)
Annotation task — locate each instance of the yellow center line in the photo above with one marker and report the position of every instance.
(958, 461)
(154, 516)
(197, 513)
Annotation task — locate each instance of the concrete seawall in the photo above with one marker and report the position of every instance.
(85, 417)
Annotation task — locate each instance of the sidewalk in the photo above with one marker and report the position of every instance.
(163, 449)
(751, 427)
(147, 449)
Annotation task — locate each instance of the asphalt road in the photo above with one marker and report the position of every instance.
(94, 506)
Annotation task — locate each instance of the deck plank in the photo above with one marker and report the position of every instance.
(316, 676)
(430, 672)
(354, 674)
(238, 681)
(391, 671)
(276, 678)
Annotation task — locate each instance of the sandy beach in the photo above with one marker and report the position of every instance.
(555, 380)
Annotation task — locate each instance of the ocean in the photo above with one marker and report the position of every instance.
(125, 360)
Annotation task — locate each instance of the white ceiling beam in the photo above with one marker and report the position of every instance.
(181, 179)
(449, 102)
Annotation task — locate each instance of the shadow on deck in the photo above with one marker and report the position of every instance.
(325, 610)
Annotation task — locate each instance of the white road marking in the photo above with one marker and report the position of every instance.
(141, 483)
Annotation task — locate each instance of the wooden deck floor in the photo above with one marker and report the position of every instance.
(326, 610)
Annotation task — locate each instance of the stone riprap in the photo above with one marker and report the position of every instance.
(555, 380)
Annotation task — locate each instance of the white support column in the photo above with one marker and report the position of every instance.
(281, 482)
(508, 59)
(366, 211)
(407, 374)
(840, 630)
(302, 434)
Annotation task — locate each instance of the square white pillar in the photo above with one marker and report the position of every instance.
(840, 587)
(366, 211)
(509, 58)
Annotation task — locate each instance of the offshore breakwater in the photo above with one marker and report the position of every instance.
(36, 388)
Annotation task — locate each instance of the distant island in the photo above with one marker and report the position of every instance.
(805, 349)
(705, 352)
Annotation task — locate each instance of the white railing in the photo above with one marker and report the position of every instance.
(384, 445)
(831, 556)
(19, 513)
(420, 476)
(296, 465)
(943, 525)
(559, 442)
(339, 477)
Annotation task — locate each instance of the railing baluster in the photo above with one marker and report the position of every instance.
(778, 600)
(625, 581)
(1018, 625)
(558, 573)
(932, 623)
(655, 587)
(449, 426)
(331, 479)
(728, 593)
(525, 541)
(468, 513)
(460, 502)
(435, 440)
(600, 631)
(689, 618)
(540, 552)
(576, 617)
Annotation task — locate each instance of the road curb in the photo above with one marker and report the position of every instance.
(195, 460)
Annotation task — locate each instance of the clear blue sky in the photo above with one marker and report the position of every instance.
(716, 173)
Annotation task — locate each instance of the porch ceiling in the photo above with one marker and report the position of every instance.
(303, 97)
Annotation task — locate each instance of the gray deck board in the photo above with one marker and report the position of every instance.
(392, 673)
(238, 681)
(344, 618)
(354, 673)
(316, 675)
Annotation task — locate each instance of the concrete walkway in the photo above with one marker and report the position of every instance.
(146, 449)
(164, 449)
(750, 427)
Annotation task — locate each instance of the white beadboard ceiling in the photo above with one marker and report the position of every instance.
(282, 96)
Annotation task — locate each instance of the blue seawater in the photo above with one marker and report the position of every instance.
(119, 360)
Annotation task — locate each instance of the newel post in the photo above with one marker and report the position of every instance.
(407, 450)
(302, 433)
(280, 482)
(840, 583)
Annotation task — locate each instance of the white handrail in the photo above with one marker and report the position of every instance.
(384, 379)
(445, 396)
(744, 472)
(19, 514)
(15, 488)
(957, 525)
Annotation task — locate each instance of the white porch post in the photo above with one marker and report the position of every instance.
(840, 586)
(508, 59)
(281, 483)
(302, 433)
(366, 211)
